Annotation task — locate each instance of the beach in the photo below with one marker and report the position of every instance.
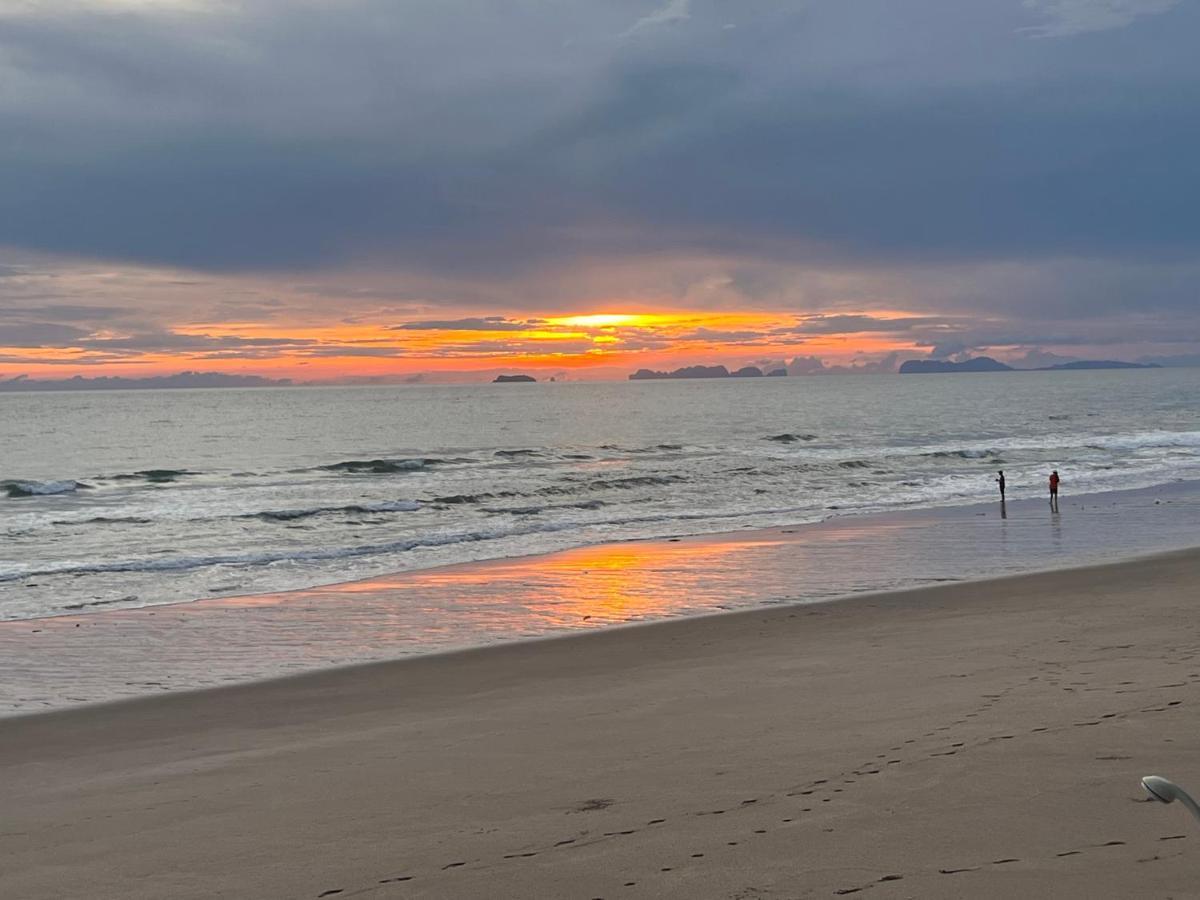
(586, 451)
(974, 739)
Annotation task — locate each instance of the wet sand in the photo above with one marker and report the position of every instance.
(107, 654)
(979, 739)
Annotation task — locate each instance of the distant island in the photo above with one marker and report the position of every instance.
(23, 383)
(703, 372)
(1099, 364)
(987, 364)
(929, 366)
(509, 379)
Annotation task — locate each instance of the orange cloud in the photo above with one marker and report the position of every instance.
(580, 342)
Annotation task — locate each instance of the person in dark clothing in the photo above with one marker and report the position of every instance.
(1054, 490)
(1000, 481)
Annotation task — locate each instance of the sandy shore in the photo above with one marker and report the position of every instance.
(979, 739)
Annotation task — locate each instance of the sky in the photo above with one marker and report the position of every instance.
(386, 189)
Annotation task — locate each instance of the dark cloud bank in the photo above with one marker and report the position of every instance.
(492, 140)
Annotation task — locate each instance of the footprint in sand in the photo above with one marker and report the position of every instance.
(594, 805)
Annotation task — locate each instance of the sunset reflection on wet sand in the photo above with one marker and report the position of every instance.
(108, 655)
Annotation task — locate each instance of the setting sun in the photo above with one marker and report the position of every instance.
(605, 320)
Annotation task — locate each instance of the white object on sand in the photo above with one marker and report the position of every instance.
(1161, 789)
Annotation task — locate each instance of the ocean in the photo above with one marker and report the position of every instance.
(112, 500)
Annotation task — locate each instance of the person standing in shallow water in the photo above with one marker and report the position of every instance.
(1054, 490)
(1000, 481)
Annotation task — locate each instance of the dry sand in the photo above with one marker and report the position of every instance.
(970, 740)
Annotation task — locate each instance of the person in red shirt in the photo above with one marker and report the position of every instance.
(1054, 490)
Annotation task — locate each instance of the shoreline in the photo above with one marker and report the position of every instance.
(478, 654)
(834, 518)
(703, 536)
(968, 739)
(100, 657)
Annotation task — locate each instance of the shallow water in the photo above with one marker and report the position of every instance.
(128, 499)
(52, 663)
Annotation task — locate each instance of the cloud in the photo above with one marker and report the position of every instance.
(805, 365)
(158, 341)
(486, 323)
(1067, 18)
(861, 323)
(673, 12)
(947, 349)
(719, 336)
(65, 312)
(832, 133)
(456, 166)
(1035, 359)
(40, 334)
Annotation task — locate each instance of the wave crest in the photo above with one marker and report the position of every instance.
(18, 489)
(289, 515)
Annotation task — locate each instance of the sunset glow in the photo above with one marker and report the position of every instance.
(604, 320)
(577, 345)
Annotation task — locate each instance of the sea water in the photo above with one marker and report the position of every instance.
(128, 499)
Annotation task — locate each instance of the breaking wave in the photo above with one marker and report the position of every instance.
(187, 563)
(289, 515)
(17, 489)
(105, 520)
(155, 476)
(962, 454)
(536, 510)
(376, 466)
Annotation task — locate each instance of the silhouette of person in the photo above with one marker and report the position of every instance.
(1000, 481)
(1054, 490)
